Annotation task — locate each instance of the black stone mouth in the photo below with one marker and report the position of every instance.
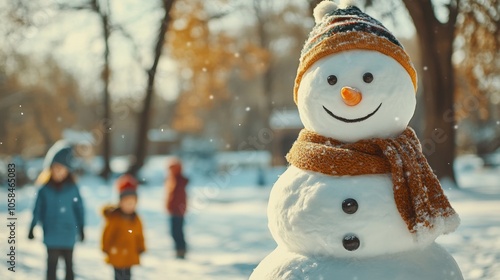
(352, 120)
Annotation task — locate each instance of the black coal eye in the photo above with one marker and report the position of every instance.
(332, 79)
(368, 77)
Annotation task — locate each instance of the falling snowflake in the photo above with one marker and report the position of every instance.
(75, 199)
(62, 210)
(211, 97)
(247, 109)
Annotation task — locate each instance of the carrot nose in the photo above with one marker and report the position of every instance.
(351, 96)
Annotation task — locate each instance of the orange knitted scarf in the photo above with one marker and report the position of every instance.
(417, 191)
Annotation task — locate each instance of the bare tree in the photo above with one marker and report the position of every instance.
(436, 44)
(144, 117)
(102, 9)
(104, 13)
(262, 9)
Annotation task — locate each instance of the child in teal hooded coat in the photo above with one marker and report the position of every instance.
(59, 209)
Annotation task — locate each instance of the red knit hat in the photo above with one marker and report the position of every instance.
(126, 185)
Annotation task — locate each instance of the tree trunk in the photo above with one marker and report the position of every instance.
(436, 43)
(105, 75)
(267, 76)
(107, 114)
(144, 117)
(267, 82)
(41, 127)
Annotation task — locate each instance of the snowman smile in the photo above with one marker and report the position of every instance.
(352, 120)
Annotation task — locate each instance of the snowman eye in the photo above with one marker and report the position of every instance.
(368, 77)
(332, 80)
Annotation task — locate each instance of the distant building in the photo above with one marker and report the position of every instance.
(162, 141)
(286, 125)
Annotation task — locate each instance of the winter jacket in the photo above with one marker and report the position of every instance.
(176, 190)
(122, 239)
(60, 211)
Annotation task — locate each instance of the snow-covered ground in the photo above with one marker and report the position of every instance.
(227, 228)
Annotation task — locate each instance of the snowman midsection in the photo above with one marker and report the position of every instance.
(341, 216)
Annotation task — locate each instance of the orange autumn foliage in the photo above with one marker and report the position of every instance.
(206, 61)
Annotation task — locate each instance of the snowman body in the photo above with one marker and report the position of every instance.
(343, 216)
(349, 227)
(310, 220)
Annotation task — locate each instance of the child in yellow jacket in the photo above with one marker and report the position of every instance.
(123, 239)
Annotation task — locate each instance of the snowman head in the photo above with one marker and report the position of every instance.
(354, 81)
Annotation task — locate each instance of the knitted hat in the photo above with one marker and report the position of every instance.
(345, 27)
(175, 165)
(61, 152)
(126, 185)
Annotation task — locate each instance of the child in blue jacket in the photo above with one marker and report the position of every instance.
(59, 208)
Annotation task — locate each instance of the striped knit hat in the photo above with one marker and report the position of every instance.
(345, 27)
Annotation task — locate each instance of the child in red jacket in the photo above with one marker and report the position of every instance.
(176, 204)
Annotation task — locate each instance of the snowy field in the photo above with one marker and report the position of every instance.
(227, 232)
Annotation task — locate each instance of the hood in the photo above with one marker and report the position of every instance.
(108, 210)
(113, 210)
(61, 152)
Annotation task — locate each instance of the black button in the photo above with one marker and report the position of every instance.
(351, 242)
(350, 206)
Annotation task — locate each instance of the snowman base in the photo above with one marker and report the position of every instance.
(430, 263)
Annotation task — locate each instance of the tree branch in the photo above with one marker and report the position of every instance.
(65, 7)
(127, 35)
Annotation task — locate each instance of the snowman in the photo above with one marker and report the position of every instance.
(359, 200)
